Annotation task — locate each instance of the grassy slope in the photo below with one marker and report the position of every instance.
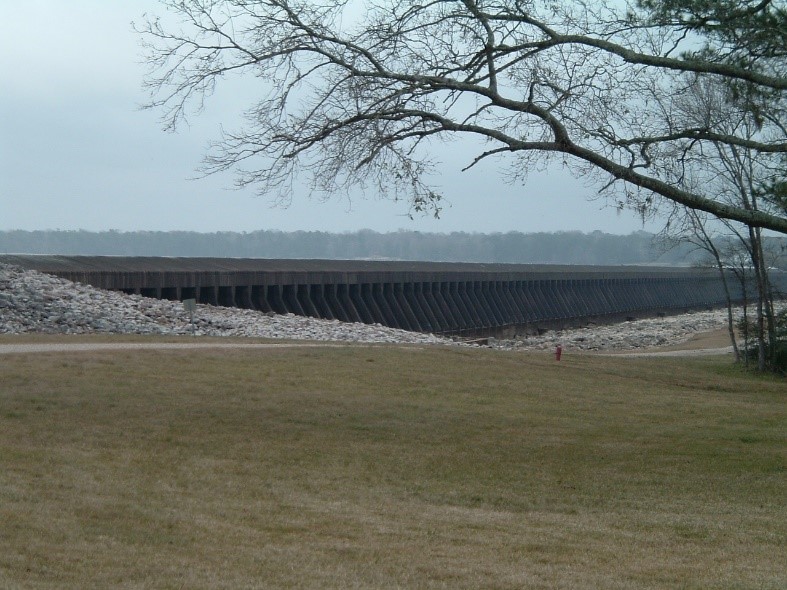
(388, 467)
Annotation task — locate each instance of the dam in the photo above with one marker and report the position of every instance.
(442, 298)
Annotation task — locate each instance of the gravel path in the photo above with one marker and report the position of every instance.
(677, 353)
(26, 348)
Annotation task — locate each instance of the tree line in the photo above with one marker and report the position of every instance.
(569, 247)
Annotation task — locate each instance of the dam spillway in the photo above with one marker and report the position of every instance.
(442, 298)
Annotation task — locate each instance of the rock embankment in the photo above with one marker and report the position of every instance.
(631, 335)
(33, 302)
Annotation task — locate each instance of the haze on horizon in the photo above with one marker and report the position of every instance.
(76, 151)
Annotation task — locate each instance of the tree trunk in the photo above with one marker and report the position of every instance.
(728, 298)
(754, 251)
(770, 316)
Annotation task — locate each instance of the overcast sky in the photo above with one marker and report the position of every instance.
(76, 152)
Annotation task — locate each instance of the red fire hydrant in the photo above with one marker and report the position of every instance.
(558, 352)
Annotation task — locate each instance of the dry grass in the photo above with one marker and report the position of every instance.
(388, 467)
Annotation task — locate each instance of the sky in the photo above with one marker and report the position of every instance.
(78, 152)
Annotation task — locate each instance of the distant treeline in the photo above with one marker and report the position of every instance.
(574, 247)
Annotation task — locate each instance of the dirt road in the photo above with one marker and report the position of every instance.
(28, 348)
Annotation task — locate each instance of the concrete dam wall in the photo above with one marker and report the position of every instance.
(444, 298)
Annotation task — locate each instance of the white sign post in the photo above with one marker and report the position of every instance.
(190, 305)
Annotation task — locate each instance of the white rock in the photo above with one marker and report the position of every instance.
(34, 302)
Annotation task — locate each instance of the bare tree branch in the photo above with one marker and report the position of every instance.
(354, 97)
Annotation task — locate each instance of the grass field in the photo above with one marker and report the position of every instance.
(389, 467)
